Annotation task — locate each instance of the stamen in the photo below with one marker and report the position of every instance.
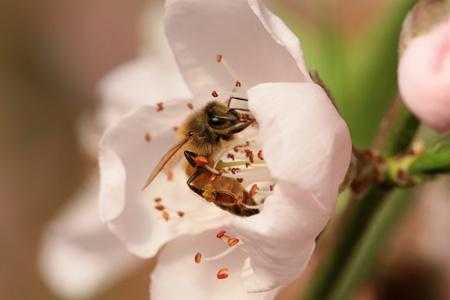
(229, 240)
(220, 234)
(198, 258)
(221, 255)
(159, 106)
(260, 155)
(237, 84)
(159, 207)
(223, 273)
(233, 242)
(215, 94)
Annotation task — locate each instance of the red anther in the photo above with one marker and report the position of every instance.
(180, 213)
(190, 105)
(232, 242)
(230, 155)
(175, 128)
(198, 258)
(222, 273)
(249, 154)
(159, 106)
(160, 207)
(219, 58)
(271, 187)
(157, 200)
(147, 137)
(220, 234)
(201, 161)
(215, 94)
(238, 83)
(260, 155)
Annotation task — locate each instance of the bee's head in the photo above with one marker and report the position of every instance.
(223, 120)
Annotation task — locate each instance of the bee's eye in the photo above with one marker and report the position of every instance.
(215, 121)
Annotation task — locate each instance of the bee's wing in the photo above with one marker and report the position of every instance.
(164, 161)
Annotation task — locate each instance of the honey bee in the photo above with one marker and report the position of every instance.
(202, 135)
(225, 192)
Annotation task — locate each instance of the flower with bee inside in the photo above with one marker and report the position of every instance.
(266, 144)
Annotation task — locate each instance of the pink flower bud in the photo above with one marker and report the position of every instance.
(424, 77)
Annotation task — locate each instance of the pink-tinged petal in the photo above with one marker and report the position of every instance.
(177, 276)
(424, 77)
(307, 149)
(145, 220)
(305, 141)
(145, 81)
(253, 42)
(80, 256)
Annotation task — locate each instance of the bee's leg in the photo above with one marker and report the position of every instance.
(240, 99)
(190, 157)
(194, 176)
(238, 127)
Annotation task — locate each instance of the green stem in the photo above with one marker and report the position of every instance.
(432, 163)
(351, 231)
(402, 133)
(355, 226)
(363, 261)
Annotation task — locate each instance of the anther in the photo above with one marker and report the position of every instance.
(159, 106)
(223, 273)
(147, 137)
(215, 94)
(159, 207)
(232, 242)
(198, 258)
(220, 234)
(260, 155)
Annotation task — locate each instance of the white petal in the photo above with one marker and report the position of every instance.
(307, 148)
(145, 81)
(256, 45)
(305, 141)
(177, 276)
(80, 256)
(129, 152)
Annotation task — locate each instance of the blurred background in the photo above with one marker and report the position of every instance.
(56, 57)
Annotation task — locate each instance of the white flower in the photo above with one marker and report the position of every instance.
(306, 148)
(79, 256)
